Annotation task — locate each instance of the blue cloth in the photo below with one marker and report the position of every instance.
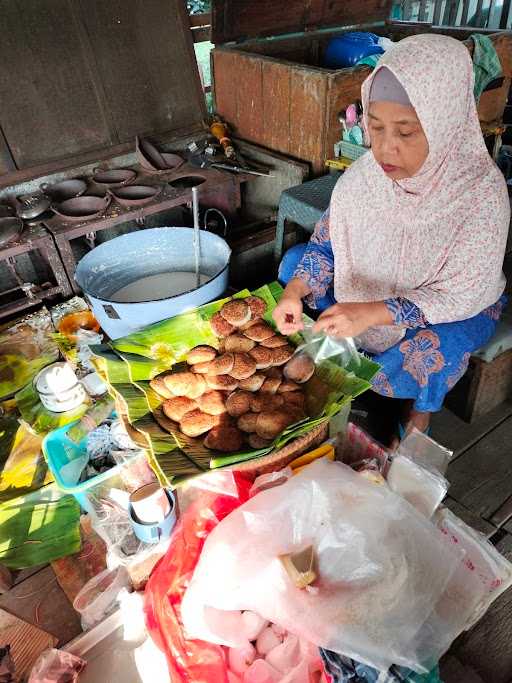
(429, 360)
(345, 670)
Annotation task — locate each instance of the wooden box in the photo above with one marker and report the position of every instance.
(483, 387)
(270, 85)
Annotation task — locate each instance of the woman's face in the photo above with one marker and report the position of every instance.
(398, 142)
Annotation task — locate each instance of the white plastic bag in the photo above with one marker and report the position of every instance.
(422, 488)
(381, 567)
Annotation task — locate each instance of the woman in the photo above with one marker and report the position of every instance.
(408, 258)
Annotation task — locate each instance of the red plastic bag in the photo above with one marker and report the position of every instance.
(189, 661)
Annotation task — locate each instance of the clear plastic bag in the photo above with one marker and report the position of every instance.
(319, 346)
(381, 567)
(425, 451)
(55, 666)
(422, 488)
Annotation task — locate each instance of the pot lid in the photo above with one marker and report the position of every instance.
(117, 69)
(238, 20)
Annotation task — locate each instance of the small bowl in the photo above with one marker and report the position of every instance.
(72, 322)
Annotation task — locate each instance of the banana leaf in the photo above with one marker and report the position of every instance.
(131, 362)
(38, 417)
(26, 347)
(22, 464)
(38, 528)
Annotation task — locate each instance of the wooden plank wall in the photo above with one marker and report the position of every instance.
(275, 104)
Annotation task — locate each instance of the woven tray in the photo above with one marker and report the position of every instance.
(276, 460)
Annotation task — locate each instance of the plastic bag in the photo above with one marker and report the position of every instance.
(98, 598)
(425, 451)
(56, 666)
(382, 567)
(422, 488)
(190, 661)
(319, 346)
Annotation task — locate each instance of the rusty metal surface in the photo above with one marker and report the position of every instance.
(238, 20)
(38, 241)
(80, 76)
(220, 190)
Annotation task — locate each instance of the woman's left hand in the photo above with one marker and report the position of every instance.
(352, 319)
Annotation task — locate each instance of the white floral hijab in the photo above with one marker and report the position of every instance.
(437, 239)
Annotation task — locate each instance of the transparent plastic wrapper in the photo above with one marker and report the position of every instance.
(422, 488)
(481, 576)
(270, 480)
(319, 346)
(98, 598)
(354, 446)
(381, 567)
(57, 666)
(425, 451)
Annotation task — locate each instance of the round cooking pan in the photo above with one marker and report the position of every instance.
(155, 161)
(10, 228)
(113, 177)
(65, 189)
(135, 195)
(80, 208)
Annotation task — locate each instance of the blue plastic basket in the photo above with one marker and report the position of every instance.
(60, 451)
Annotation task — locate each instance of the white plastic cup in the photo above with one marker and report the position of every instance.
(150, 503)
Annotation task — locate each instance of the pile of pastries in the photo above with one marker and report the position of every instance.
(247, 391)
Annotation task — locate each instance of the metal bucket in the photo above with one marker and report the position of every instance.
(117, 263)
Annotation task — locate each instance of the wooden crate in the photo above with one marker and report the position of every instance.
(274, 91)
(483, 387)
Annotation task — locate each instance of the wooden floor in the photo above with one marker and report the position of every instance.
(481, 493)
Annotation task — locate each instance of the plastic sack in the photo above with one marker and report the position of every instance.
(98, 598)
(56, 666)
(381, 567)
(319, 346)
(425, 451)
(190, 661)
(482, 575)
(422, 488)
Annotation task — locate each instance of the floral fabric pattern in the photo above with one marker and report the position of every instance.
(405, 313)
(421, 356)
(430, 359)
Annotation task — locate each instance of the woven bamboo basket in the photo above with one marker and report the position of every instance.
(276, 460)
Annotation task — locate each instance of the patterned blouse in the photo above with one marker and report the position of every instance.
(316, 269)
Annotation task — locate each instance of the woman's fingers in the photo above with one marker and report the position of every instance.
(288, 316)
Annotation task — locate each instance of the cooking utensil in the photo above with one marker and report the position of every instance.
(135, 195)
(32, 205)
(150, 153)
(161, 162)
(113, 177)
(79, 208)
(10, 228)
(186, 181)
(65, 189)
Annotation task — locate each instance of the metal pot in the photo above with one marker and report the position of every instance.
(10, 228)
(135, 195)
(114, 264)
(113, 177)
(65, 189)
(30, 206)
(155, 161)
(79, 208)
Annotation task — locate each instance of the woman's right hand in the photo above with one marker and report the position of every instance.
(288, 314)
